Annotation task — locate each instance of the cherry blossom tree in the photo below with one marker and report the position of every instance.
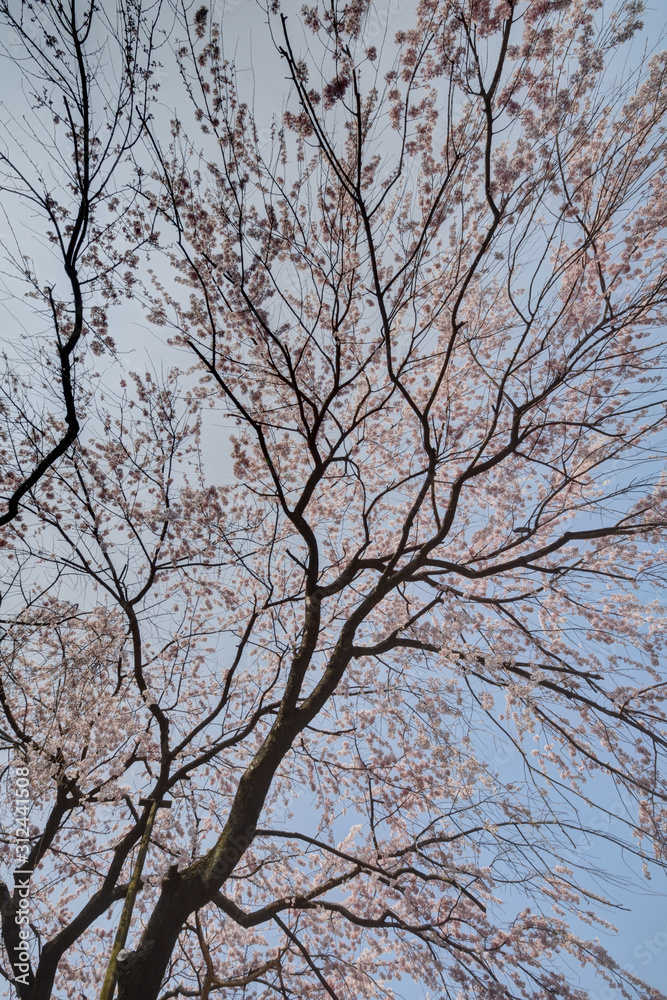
(431, 305)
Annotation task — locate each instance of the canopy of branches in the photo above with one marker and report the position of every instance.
(370, 582)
